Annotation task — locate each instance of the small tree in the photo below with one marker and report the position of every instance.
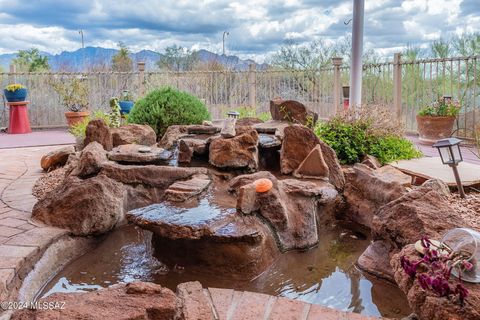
(177, 58)
(31, 61)
(121, 62)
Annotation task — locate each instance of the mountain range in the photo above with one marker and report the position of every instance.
(98, 56)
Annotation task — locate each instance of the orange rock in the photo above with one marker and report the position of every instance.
(263, 185)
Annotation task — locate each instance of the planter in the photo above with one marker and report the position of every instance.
(15, 96)
(432, 129)
(125, 106)
(76, 117)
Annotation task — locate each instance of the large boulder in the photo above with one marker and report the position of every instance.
(292, 111)
(428, 305)
(376, 260)
(298, 142)
(367, 190)
(240, 152)
(289, 207)
(131, 301)
(85, 207)
(421, 212)
(97, 130)
(172, 135)
(56, 158)
(134, 133)
(90, 161)
(313, 166)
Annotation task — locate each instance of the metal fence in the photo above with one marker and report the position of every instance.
(406, 86)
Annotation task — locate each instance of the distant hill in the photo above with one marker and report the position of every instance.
(98, 56)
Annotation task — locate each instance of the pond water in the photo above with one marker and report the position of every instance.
(324, 275)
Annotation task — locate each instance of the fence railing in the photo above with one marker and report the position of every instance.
(405, 86)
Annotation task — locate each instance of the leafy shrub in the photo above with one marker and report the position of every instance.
(392, 148)
(79, 129)
(249, 112)
(164, 107)
(367, 130)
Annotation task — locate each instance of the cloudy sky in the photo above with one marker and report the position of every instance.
(256, 27)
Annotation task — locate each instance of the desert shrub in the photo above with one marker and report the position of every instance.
(164, 107)
(79, 129)
(367, 130)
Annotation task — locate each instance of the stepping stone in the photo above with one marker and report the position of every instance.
(133, 153)
(432, 168)
(313, 166)
(184, 190)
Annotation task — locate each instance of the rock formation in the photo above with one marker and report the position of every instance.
(56, 158)
(133, 134)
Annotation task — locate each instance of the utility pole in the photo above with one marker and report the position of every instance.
(81, 34)
(357, 51)
(225, 33)
(83, 49)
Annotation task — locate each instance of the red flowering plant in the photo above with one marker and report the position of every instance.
(434, 269)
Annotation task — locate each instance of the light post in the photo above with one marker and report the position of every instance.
(225, 33)
(451, 154)
(233, 114)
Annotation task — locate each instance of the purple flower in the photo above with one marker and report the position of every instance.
(467, 265)
(441, 287)
(425, 242)
(409, 267)
(424, 280)
(462, 292)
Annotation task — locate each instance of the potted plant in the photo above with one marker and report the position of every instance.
(15, 92)
(436, 121)
(74, 95)
(126, 102)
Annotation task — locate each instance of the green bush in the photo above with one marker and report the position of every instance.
(79, 129)
(368, 131)
(391, 148)
(164, 107)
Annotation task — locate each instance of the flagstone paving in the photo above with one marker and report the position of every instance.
(22, 242)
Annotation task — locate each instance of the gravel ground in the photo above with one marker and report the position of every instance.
(48, 182)
(468, 207)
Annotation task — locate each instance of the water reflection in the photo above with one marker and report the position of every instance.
(324, 275)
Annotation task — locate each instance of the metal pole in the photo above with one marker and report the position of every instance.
(83, 51)
(457, 179)
(357, 51)
(223, 40)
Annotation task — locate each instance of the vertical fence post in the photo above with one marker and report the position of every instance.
(12, 77)
(337, 63)
(252, 90)
(397, 85)
(141, 77)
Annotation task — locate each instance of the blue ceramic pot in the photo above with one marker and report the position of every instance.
(126, 106)
(15, 96)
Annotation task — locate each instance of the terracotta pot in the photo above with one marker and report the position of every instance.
(432, 129)
(76, 117)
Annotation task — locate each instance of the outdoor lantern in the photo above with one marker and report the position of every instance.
(451, 154)
(233, 114)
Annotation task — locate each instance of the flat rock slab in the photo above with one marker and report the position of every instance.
(268, 141)
(270, 126)
(199, 129)
(131, 153)
(205, 220)
(184, 190)
(432, 168)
